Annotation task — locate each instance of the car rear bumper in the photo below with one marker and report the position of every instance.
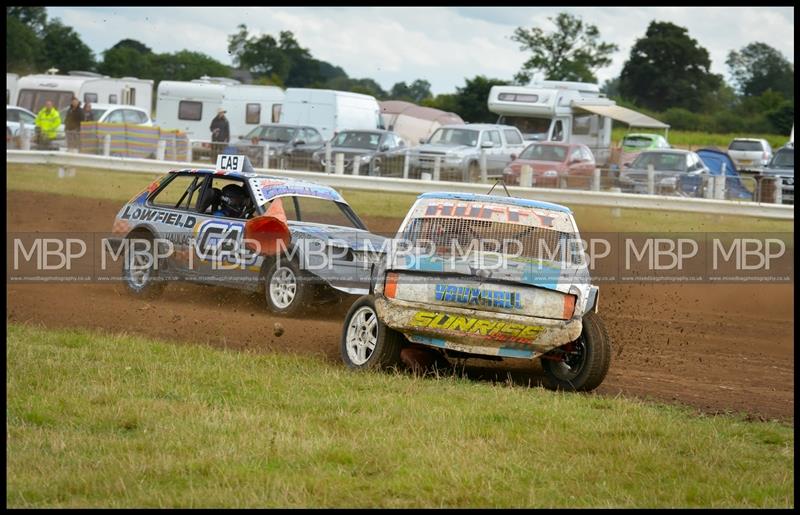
(474, 331)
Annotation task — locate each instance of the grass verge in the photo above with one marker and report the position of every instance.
(122, 186)
(97, 420)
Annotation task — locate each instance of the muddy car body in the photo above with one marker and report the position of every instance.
(298, 240)
(530, 299)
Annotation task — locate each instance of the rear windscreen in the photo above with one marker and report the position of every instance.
(746, 146)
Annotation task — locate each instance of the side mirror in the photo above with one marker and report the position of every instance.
(385, 147)
(422, 141)
(626, 165)
(513, 156)
(298, 142)
(487, 144)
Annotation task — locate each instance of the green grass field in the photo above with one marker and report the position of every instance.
(695, 140)
(122, 186)
(98, 420)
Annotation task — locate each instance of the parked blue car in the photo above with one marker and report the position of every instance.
(715, 161)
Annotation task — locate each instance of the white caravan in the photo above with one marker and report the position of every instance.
(34, 90)
(11, 87)
(330, 111)
(412, 122)
(191, 106)
(571, 112)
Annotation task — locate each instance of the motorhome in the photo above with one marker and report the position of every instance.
(190, 106)
(330, 111)
(569, 112)
(34, 90)
(11, 87)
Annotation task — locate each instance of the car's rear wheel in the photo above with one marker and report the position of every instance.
(366, 341)
(583, 364)
(140, 269)
(287, 289)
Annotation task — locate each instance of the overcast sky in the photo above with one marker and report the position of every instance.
(440, 44)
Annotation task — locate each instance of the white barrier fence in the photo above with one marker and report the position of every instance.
(415, 186)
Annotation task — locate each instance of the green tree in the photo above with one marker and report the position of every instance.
(283, 58)
(124, 60)
(32, 17)
(758, 67)
(469, 101)
(132, 44)
(63, 48)
(260, 55)
(185, 65)
(418, 91)
(23, 47)
(610, 88)
(572, 52)
(667, 68)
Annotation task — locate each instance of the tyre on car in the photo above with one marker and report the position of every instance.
(585, 361)
(287, 288)
(141, 271)
(368, 343)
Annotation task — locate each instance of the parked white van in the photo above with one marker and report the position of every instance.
(34, 90)
(190, 106)
(330, 111)
(564, 111)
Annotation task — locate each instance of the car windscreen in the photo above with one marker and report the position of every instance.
(455, 137)
(277, 134)
(98, 113)
(661, 162)
(783, 159)
(746, 146)
(365, 140)
(530, 127)
(555, 153)
(636, 141)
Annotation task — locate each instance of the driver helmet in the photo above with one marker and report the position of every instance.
(233, 200)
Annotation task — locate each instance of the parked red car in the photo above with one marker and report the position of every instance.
(550, 161)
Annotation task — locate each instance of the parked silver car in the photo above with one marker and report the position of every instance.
(676, 171)
(290, 146)
(782, 165)
(370, 148)
(750, 153)
(459, 149)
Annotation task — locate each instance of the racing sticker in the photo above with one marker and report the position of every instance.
(221, 241)
(477, 327)
(270, 188)
(478, 296)
(144, 214)
(481, 211)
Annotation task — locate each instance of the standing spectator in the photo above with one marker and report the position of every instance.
(72, 125)
(220, 132)
(87, 112)
(47, 123)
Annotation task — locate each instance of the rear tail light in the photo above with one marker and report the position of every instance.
(569, 306)
(390, 286)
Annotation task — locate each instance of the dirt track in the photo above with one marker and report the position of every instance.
(718, 347)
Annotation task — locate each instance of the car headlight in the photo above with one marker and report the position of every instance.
(453, 158)
(507, 170)
(550, 173)
(365, 159)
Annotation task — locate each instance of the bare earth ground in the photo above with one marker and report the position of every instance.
(720, 347)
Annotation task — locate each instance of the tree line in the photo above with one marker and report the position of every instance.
(667, 73)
